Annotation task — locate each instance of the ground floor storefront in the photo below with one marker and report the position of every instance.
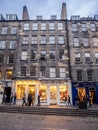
(86, 89)
(51, 91)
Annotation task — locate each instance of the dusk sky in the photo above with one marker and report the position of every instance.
(49, 7)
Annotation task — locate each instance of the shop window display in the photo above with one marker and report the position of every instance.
(20, 91)
(63, 92)
(42, 92)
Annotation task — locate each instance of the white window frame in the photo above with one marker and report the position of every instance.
(62, 72)
(34, 26)
(84, 27)
(60, 39)
(43, 40)
(12, 44)
(26, 26)
(43, 26)
(52, 72)
(25, 40)
(4, 30)
(51, 26)
(13, 30)
(60, 26)
(74, 27)
(52, 39)
(92, 27)
(85, 42)
(24, 55)
(34, 39)
(76, 42)
(2, 44)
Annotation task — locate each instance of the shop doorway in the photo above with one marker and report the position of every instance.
(81, 93)
(53, 95)
(32, 91)
(92, 94)
(7, 91)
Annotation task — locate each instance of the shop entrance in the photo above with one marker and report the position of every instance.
(53, 95)
(32, 91)
(81, 93)
(7, 91)
(92, 94)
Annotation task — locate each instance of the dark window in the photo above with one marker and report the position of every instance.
(1, 58)
(23, 70)
(33, 55)
(32, 71)
(90, 75)
(11, 58)
(61, 54)
(79, 75)
(42, 71)
(52, 54)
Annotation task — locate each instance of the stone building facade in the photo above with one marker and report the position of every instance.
(83, 44)
(54, 58)
(40, 62)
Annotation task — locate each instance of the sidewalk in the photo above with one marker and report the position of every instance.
(93, 107)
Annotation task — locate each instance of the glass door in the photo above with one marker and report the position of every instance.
(53, 95)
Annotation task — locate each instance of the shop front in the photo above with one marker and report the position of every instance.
(83, 90)
(51, 93)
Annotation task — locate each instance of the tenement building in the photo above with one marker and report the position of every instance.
(51, 57)
(34, 57)
(83, 44)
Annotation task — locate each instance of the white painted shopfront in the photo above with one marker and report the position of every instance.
(51, 92)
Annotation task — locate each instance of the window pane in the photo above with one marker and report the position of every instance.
(34, 26)
(34, 39)
(2, 45)
(61, 39)
(13, 30)
(12, 44)
(26, 26)
(51, 26)
(43, 26)
(52, 72)
(62, 72)
(60, 26)
(24, 55)
(52, 39)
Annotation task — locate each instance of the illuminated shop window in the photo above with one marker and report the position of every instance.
(42, 92)
(20, 91)
(53, 92)
(63, 92)
(9, 74)
(81, 93)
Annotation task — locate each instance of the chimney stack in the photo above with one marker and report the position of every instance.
(63, 11)
(25, 15)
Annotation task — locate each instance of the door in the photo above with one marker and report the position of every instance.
(7, 91)
(81, 93)
(53, 95)
(32, 91)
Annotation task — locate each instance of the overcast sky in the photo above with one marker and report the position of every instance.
(49, 7)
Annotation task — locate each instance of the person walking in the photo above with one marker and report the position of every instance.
(38, 100)
(14, 98)
(11, 98)
(24, 100)
(68, 100)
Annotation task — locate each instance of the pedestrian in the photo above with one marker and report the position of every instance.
(29, 99)
(38, 100)
(14, 98)
(24, 100)
(65, 100)
(11, 99)
(68, 100)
